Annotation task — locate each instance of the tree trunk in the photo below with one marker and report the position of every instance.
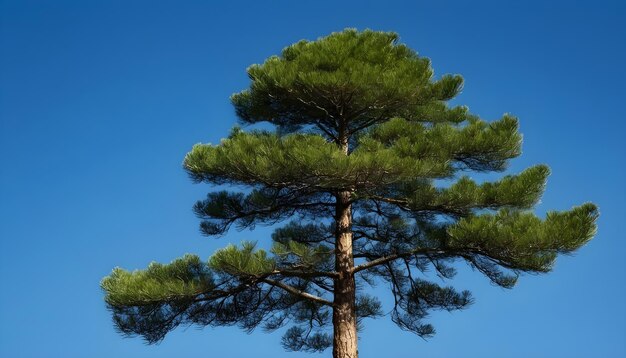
(344, 303)
(344, 313)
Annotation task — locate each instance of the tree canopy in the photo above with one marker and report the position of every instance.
(369, 170)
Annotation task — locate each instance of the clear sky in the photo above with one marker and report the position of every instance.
(100, 101)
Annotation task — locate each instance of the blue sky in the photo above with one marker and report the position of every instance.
(100, 101)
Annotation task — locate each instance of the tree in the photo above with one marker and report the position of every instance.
(366, 161)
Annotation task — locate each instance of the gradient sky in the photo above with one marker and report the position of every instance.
(100, 101)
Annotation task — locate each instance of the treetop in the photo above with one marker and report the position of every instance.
(345, 82)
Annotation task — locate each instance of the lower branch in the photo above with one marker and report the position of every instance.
(388, 258)
(297, 292)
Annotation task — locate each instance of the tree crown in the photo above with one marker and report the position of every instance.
(344, 83)
(361, 123)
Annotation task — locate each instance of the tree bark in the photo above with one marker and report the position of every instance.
(344, 312)
(344, 309)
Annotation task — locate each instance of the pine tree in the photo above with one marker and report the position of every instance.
(367, 164)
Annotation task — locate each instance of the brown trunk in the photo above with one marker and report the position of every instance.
(344, 313)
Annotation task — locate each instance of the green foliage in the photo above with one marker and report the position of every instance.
(154, 301)
(392, 152)
(183, 278)
(367, 76)
(299, 159)
(477, 145)
(296, 254)
(354, 112)
(236, 286)
(514, 191)
(523, 241)
(244, 261)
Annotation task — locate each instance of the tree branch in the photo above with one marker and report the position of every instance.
(388, 258)
(303, 274)
(297, 292)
